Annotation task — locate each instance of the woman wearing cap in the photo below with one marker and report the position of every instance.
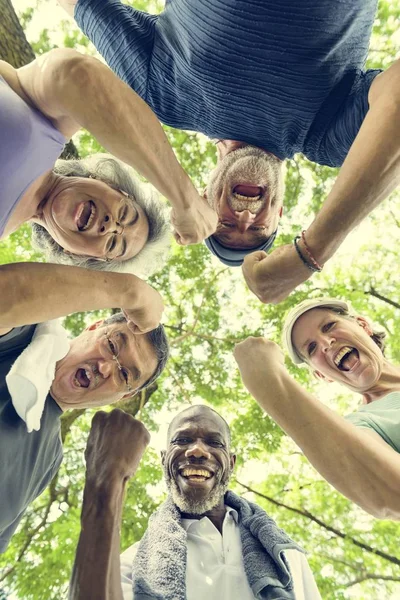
(358, 454)
(93, 214)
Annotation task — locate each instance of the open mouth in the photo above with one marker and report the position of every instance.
(346, 358)
(245, 191)
(82, 378)
(196, 474)
(86, 215)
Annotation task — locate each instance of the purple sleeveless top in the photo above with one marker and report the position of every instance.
(29, 146)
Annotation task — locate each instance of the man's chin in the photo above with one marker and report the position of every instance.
(196, 500)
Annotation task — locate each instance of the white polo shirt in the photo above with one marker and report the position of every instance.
(215, 568)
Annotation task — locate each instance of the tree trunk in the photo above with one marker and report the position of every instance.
(14, 47)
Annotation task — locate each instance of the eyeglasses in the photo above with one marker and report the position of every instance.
(123, 370)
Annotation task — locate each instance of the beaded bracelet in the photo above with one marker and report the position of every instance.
(303, 260)
(309, 253)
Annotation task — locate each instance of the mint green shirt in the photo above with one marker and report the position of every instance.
(382, 416)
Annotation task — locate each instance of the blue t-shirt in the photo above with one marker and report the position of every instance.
(28, 461)
(29, 146)
(285, 76)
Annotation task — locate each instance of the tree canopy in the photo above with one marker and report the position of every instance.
(208, 310)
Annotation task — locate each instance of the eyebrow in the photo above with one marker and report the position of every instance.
(189, 431)
(136, 373)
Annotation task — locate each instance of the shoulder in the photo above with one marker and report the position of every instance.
(16, 336)
(10, 76)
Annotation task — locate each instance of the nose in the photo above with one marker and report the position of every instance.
(244, 219)
(105, 367)
(326, 342)
(110, 226)
(197, 450)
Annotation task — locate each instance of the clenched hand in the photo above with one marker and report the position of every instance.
(272, 277)
(143, 312)
(114, 448)
(194, 222)
(259, 360)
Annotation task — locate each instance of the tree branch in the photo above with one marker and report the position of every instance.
(336, 532)
(372, 292)
(367, 576)
(197, 316)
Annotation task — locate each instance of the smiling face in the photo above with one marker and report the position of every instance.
(88, 217)
(338, 348)
(90, 376)
(198, 463)
(246, 190)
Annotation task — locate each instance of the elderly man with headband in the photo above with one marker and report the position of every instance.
(358, 454)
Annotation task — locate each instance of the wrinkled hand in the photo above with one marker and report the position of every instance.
(258, 359)
(272, 277)
(194, 223)
(148, 308)
(115, 446)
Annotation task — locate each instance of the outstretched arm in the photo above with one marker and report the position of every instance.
(76, 91)
(369, 174)
(36, 292)
(115, 446)
(359, 465)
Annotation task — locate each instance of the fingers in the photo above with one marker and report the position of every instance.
(178, 238)
(254, 257)
(139, 331)
(188, 239)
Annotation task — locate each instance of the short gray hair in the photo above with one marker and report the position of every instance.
(118, 175)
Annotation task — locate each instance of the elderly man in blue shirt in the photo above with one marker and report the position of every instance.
(265, 80)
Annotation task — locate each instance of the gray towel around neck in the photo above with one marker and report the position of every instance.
(159, 567)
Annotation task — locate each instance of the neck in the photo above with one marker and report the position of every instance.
(389, 381)
(216, 515)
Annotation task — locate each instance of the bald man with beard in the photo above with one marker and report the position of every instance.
(204, 541)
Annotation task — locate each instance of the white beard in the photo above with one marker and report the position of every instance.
(194, 506)
(247, 164)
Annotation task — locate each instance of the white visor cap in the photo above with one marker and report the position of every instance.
(299, 310)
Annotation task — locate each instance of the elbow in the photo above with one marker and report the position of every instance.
(66, 68)
(385, 505)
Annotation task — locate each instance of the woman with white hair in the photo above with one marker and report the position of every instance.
(95, 212)
(358, 454)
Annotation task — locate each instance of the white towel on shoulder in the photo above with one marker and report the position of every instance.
(30, 378)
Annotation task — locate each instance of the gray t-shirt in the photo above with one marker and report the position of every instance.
(28, 461)
(382, 416)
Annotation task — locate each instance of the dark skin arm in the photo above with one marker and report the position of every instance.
(115, 446)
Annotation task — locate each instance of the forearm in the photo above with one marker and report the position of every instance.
(36, 292)
(96, 571)
(122, 122)
(368, 175)
(360, 467)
